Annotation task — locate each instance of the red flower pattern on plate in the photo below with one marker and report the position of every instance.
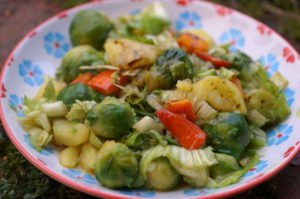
(264, 30)
(32, 34)
(223, 11)
(289, 55)
(62, 15)
(183, 2)
(3, 91)
(10, 61)
(290, 150)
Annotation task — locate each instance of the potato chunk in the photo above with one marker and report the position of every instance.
(70, 133)
(220, 93)
(69, 157)
(129, 54)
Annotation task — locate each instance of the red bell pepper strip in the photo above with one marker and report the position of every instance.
(188, 134)
(103, 82)
(82, 78)
(182, 107)
(192, 43)
(238, 84)
(214, 60)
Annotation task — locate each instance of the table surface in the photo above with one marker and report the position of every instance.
(17, 18)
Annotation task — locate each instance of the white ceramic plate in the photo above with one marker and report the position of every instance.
(39, 53)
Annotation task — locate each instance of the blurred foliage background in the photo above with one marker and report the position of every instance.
(20, 180)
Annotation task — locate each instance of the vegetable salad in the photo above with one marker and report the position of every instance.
(139, 105)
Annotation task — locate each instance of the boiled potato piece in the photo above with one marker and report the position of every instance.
(87, 157)
(70, 133)
(129, 54)
(58, 86)
(69, 157)
(220, 93)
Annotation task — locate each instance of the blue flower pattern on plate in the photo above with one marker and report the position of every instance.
(188, 20)
(31, 73)
(55, 44)
(138, 193)
(279, 134)
(235, 37)
(289, 94)
(80, 176)
(16, 103)
(270, 63)
(46, 150)
(135, 12)
(257, 169)
(197, 192)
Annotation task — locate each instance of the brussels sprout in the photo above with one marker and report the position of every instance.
(79, 110)
(229, 133)
(226, 164)
(91, 28)
(39, 138)
(112, 118)
(161, 175)
(80, 92)
(170, 66)
(76, 57)
(116, 165)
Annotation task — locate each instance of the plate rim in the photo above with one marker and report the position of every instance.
(91, 191)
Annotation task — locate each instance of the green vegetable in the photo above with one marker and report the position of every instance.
(146, 140)
(256, 118)
(36, 119)
(50, 93)
(39, 138)
(151, 20)
(91, 28)
(279, 81)
(226, 164)
(147, 123)
(228, 133)
(116, 165)
(112, 118)
(259, 138)
(170, 66)
(232, 177)
(80, 92)
(79, 110)
(95, 141)
(55, 109)
(161, 175)
(78, 56)
(192, 164)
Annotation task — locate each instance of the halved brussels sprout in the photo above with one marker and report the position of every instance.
(116, 165)
(90, 27)
(161, 175)
(80, 92)
(78, 56)
(112, 118)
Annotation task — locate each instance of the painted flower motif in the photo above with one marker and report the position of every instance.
(197, 192)
(188, 20)
(235, 37)
(62, 15)
(288, 152)
(270, 63)
(279, 134)
(289, 95)
(263, 29)
(55, 44)
(11, 60)
(2, 91)
(135, 12)
(138, 193)
(46, 150)
(31, 73)
(289, 55)
(183, 2)
(80, 176)
(16, 103)
(223, 11)
(257, 169)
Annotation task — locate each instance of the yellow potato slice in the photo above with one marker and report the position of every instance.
(220, 93)
(87, 157)
(69, 157)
